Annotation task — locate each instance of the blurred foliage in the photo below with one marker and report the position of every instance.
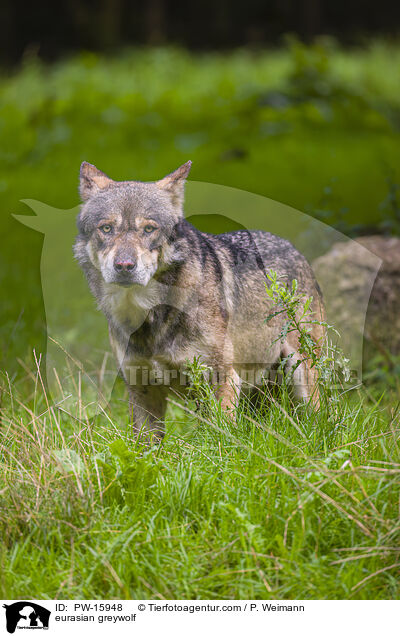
(382, 374)
(316, 127)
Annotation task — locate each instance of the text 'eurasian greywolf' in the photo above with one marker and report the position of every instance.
(171, 293)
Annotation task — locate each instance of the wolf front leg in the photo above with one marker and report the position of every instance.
(147, 406)
(228, 390)
(304, 376)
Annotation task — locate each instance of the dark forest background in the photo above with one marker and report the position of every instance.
(51, 29)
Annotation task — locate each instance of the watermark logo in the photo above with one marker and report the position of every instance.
(79, 360)
(26, 615)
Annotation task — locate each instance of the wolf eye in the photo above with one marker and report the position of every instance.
(106, 228)
(149, 229)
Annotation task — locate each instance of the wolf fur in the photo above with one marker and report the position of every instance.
(171, 293)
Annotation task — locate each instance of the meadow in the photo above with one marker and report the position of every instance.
(288, 503)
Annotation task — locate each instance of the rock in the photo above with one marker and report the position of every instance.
(360, 280)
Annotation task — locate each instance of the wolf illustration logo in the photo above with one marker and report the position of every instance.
(27, 615)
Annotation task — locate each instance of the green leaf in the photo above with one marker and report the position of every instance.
(68, 461)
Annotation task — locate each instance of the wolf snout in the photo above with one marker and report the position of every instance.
(124, 265)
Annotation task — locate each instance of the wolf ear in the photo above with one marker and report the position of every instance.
(92, 180)
(174, 183)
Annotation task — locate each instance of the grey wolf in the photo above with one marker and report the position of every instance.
(171, 293)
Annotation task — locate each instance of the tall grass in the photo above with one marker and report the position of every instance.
(286, 503)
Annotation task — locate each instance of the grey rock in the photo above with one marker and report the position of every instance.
(360, 280)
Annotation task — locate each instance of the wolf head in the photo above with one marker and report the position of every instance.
(126, 228)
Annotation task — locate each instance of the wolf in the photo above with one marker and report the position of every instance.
(171, 293)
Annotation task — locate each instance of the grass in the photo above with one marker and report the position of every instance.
(286, 504)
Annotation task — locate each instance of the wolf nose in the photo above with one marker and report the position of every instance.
(124, 266)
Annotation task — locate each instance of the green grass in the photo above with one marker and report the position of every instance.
(285, 504)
